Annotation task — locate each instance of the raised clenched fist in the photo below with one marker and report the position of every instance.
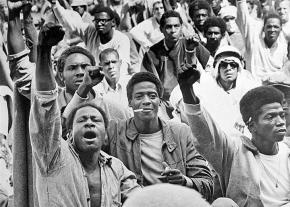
(50, 34)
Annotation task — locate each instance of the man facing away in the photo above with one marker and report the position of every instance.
(253, 172)
(74, 172)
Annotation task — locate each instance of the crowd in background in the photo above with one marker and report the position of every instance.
(56, 56)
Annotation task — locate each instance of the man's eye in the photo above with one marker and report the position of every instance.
(282, 115)
(138, 97)
(152, 96)
(269, 117)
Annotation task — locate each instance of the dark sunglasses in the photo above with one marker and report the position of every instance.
(225, 64)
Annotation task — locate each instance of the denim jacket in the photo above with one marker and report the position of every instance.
(60, 176)
(178, 151)
(232, 156)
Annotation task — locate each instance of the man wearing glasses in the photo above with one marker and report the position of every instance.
(98, 36)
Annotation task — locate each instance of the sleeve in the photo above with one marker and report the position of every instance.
(124, 50)
(198, 173)
(71, 20)
(148, 63)
(245, 23)
(212, 143)
(75, 101)
(202, 55)
(139, 34)
(128, 183)
(21, 72)
(45, 129)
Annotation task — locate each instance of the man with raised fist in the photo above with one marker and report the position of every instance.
(74, 172)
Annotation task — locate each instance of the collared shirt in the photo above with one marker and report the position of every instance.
(60, 176)
(118, 95)
(178, 151)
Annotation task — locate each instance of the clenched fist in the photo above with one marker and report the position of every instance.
(50, 34)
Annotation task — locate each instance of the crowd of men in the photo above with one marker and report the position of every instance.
(133, 103)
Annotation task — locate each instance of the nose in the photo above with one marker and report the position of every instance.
(212, 36)
(146, 100)
(280, 121)
(89, 124)
(229, 67)
(80, 71)
(172, 30)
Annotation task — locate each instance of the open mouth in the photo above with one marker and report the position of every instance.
(90, 135)
(282, 130)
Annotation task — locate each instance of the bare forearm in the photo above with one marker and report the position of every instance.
(44, 75)
(4, 70)
(14, 38)
(31, 36)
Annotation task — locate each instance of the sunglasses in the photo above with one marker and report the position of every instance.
(232, 64)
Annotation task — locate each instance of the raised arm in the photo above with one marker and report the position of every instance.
(247, 25)
(139, 33)
(30, 32)
(21, 69)
(70, 19)
(212, 143)
(4, 67)
(45, 120)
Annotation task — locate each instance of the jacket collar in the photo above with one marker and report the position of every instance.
(250, 146)
(132, 133)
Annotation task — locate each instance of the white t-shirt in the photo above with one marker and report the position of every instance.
(151, 156)
(275, 177)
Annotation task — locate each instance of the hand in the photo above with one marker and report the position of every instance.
(26, 8)
(93, 75)
(187, 75)
(15, 7)
(191, 42)
(174, 176)
(50, 34)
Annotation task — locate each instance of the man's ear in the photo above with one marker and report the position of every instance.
(113, 23)
(129, 103)
(252, 127)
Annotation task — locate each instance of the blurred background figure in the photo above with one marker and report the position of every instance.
(166, 195)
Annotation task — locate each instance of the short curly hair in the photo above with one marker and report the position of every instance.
(73, 50)
(197, 5)
(167, 15)
(254, 99)
(71, 116)
(142, 77)
(215, 22)
(105, 9)
(272, 15)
